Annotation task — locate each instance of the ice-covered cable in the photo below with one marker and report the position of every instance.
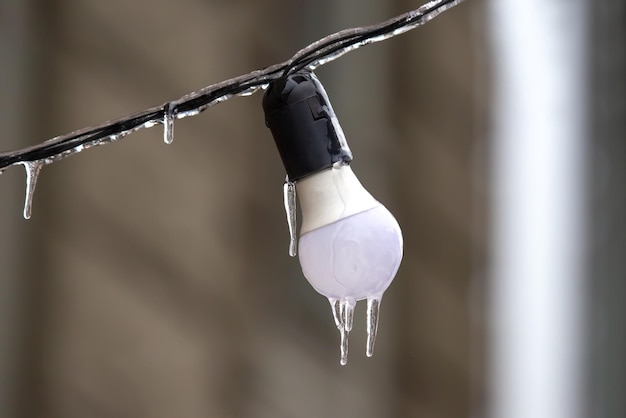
(318, 53)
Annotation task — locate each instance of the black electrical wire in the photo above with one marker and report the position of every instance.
(318, 53)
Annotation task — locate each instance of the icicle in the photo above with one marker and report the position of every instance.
(32, 169)
(373, 310)
(348, 313)
(335, 305)
(343, 346)
(168, 123)
(289, 196)
(343, 314)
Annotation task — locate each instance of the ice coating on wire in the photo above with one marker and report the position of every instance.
(311, 57)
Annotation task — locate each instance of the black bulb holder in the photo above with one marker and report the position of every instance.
(304, 126)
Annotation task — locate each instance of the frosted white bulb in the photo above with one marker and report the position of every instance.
(356, 257)
(350, 246)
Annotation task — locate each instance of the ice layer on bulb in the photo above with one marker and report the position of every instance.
(356, 257)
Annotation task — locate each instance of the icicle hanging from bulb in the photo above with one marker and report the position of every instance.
(350, 245)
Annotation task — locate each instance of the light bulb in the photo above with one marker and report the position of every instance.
(350, 245)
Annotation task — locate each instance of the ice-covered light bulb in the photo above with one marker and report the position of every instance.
(350, 245)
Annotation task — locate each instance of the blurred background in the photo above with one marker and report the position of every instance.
(154, 280)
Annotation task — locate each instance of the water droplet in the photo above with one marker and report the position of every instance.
(289, 197)
(373, 310)
(32, 169)
(112, 138)
(168, 124)
(248, 92)
(192, 112)
(251, 90)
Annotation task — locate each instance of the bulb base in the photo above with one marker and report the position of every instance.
(331, 195)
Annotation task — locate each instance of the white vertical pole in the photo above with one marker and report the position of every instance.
(538, 228)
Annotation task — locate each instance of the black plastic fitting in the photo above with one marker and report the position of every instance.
(304, 126)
